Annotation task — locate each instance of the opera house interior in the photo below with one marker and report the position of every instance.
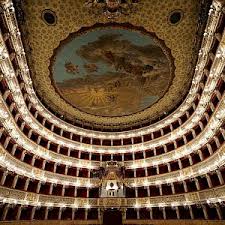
(95, 128)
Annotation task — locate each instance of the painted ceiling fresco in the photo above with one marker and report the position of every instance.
(111, 71)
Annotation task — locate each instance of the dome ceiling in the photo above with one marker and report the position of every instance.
(111, 72)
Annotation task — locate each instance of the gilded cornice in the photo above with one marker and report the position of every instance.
(23, 197)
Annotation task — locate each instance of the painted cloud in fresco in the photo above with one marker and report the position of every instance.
(112, 72)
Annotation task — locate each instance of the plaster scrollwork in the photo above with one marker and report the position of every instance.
(32, 197)
(212, 195)
(192, 197)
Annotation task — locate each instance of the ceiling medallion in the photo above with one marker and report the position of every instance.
(112, 8)
(111, 70)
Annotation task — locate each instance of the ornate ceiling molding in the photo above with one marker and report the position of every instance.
(111, 121)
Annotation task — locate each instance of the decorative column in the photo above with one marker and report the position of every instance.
(219, 213)
(43, 164)
(200, 155)
(18, 212)
(26, 184)
(177, 212)
(171, 127)
(75, 191)
(209, 147)
(218, 94)
(148, 191)
(124, 215)
(86, 214)
(38, 140)
(12, 106)
(165, 149)
(193, 133)
(138, 213)
(185, 186)
(190, 160)
(197, 184)
(22, 155)
(101, 157)
(185, 139)
(160, 189)
(187, 114)
(169, 167)
(66, 169)
(3, 178)
(220, 177)
(33, 160)
(22, 126)
(5, 211)
(191, 212)
(6, 142)
(14, 149)
(33, 212)
(164, 213)
(206, 116)
(51, 188)
(55, 167)
(151, 214)
(211, 106)
(218, 145)
(46, 213)
(201, 125)
(180, 164)
(48, 144)
(180, 121)
(15, 181)
(6, 94)
(222, 132)
(123, 157)
(73, 213)
(35, 114)
(152, 136)
(43, 121)
(205, 212)
(60, 213)
(58, 149)
(69, 152)
(173, 188)
(209, 181)
(63, 190)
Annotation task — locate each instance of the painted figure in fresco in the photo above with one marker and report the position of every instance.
(113, 72)
(122, 64)
(91, 68)
(71, 68)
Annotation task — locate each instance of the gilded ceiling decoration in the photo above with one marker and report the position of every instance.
(111, 70)
(176, 32)
(111, 8)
